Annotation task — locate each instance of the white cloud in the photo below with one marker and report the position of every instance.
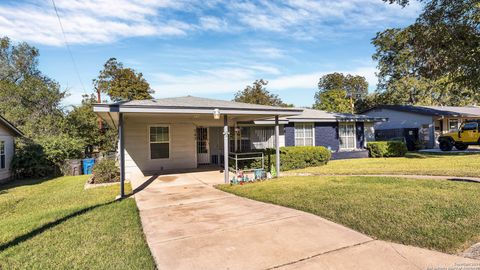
(231, 80)
(213, 23)
(104, 21)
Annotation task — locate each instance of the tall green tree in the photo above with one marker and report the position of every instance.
(434, 60)
(341, 93)
(258, 94)
(333, 101)
(81, 122)
(121, 83)
(29, 99)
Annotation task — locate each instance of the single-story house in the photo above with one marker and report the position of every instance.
(346, 135)
(420, 123)
(185, 132)
(8, 132)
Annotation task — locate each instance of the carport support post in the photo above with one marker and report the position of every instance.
(225, 148)
(277, 146)
(121, 140)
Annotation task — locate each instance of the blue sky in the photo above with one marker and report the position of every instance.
(208, 48)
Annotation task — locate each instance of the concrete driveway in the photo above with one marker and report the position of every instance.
(191, 225)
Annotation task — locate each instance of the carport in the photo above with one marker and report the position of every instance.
(161, 135)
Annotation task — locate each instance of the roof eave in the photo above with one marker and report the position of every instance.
(12, 128)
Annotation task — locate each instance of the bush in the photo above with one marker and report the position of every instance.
(60, 148)
(387, 149)
(291, 157)
(30, 161)
(105, 171)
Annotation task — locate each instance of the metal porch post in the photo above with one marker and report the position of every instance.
(226, 149)
(277, 146)
(121, 139)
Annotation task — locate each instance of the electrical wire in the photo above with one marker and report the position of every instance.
(68, 48)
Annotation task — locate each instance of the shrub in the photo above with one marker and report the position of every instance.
(387, 149)
(30, 161)
(62, 147)
(292, 157)
(105, 171)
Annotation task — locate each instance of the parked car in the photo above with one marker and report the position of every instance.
(467, 134)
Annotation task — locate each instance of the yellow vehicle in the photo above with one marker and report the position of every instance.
(467, 134)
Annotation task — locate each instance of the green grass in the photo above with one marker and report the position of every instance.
(413, 164)
(56, 224)
(435, 214)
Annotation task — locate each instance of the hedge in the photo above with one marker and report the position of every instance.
(291, 157)
(387, 149)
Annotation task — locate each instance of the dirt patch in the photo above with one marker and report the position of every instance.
(167, 178)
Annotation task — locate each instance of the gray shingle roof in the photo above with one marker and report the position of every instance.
(466, 111)
(198, 102)
(312, 115)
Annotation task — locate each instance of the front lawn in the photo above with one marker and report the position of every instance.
(435, 214)
(412, 164)
(56, 224)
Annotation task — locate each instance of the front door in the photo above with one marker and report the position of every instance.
(203, 151)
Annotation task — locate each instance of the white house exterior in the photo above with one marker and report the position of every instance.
(182, 133)
(7, 147)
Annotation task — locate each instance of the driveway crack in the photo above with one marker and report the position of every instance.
(322, 253)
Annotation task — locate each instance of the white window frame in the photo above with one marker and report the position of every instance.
(451, 120)
(304, 126)
(169, 142)
(345, 124)
(3, 153)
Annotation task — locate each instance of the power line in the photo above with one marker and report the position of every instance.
(68, 48)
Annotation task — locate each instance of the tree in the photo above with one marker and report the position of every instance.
(333, 101)
(440, 52)
(258, 94)
(348, 89)
(82, 123)
(29, 99)
(121, 83)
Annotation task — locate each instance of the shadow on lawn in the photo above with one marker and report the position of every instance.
(26, 182)
(50, 225)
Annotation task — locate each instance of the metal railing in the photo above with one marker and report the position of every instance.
(236, 157)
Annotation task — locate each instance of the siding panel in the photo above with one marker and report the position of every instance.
(326, 134)
(289, 134)
(182, 146)
(6, 136)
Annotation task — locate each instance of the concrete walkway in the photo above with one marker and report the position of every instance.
(191, 225)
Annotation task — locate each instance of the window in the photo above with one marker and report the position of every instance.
(304, 134)
(453, 125)
(2, 155)
(346, 132)
(470, 126)
(159, 142)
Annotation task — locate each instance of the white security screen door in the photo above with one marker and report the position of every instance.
(203, 151)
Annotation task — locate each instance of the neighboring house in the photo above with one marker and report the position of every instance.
(420, 123)
(8, 132)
